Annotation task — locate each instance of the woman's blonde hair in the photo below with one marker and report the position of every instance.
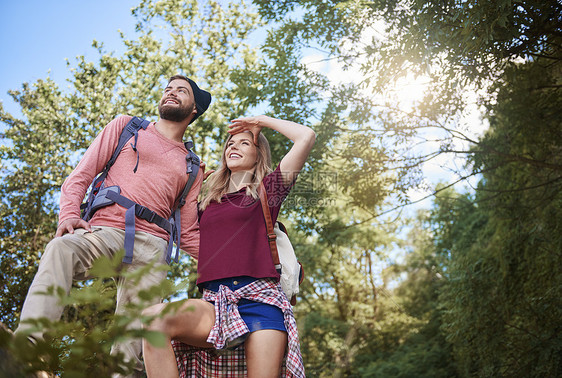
(217, 184)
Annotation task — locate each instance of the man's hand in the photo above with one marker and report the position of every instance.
(71, 224)
(206, 174)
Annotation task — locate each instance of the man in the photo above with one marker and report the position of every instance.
(150, 171)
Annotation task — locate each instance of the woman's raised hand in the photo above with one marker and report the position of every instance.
(251, 124)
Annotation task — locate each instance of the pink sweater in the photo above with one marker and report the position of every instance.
(160, 178)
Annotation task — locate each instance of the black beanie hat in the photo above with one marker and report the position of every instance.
(202, 99)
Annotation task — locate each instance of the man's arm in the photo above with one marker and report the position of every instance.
(76, 184)
(189, 221)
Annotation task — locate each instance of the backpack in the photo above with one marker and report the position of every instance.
(282, 252)
(101, 196)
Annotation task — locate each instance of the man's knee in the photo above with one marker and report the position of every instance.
(66, 257)
(58, 249)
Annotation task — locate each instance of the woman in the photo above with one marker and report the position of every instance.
(235, 268)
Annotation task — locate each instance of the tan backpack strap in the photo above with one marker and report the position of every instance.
(271, 237)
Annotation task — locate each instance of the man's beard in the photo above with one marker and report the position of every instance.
(175, 113)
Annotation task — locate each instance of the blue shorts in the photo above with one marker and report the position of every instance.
(256, 315)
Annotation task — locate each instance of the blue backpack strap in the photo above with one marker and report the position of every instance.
(131, 129)
(136, 124)
(135, 210)
(192, 169)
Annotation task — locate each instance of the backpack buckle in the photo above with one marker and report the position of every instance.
(188, 163)
(146, 214)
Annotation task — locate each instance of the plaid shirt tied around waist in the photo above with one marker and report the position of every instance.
(229, 324)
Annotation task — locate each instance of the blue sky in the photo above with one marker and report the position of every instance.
(38, 35)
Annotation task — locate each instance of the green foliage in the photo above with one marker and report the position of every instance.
(502, 303)
(32, 172)
(408, 341)
(81, 347)
(502, 306)
(457, 47)
(497, 253)
(340, 303)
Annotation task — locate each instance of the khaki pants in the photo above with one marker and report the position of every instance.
(69, 258)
